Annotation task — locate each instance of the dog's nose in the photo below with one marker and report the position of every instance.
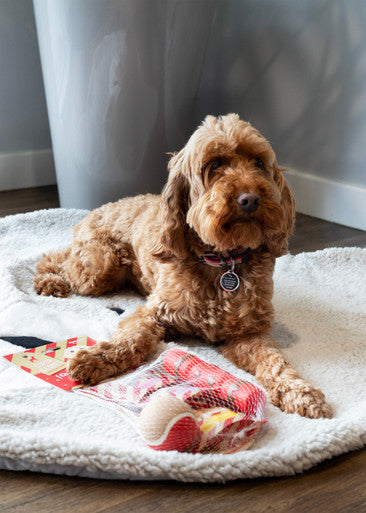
(249, 202)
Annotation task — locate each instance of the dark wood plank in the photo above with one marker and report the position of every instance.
(27, 200)
(312, 234)
(336, 486)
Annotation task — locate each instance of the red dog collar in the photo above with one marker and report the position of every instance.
(237, 256)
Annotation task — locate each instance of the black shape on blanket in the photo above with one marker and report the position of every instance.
(116, 309)
(27, 342)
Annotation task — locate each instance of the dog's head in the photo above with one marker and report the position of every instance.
(226, 186)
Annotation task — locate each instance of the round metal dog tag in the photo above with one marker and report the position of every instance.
(229, 281)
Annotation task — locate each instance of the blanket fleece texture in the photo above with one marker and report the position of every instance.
(320, 324)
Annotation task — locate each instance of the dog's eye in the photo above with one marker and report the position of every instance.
(215, 164)
(259, 163)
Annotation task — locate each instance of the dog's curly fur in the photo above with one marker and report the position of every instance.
(154, 243)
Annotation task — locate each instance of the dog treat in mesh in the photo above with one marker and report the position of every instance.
(180, 402)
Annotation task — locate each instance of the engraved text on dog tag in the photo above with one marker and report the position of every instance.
(229, 281)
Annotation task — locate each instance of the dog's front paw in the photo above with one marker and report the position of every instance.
(95, 364)
(297, 396)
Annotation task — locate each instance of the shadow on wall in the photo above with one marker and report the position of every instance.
(296, 70)
(128, 81)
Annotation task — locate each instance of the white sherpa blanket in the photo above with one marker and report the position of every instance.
(320, 303)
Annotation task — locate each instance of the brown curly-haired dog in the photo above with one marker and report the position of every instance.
(225, 194)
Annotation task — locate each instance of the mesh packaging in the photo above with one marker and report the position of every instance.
(180, 402)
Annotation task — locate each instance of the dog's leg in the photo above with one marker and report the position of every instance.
(49, 279)
(137, 336)
(90, 268)
(260, 356)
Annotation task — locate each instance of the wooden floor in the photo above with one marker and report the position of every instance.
(335, 486)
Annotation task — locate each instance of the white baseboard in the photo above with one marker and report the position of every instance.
(331, 200)
(335, 201)
(26, 169)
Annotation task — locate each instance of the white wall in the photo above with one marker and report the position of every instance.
(295, 68)
(25, 144)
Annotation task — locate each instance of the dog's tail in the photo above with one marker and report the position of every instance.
(50, 278)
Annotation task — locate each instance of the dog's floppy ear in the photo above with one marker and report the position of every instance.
(173, 209)
(277, 240)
